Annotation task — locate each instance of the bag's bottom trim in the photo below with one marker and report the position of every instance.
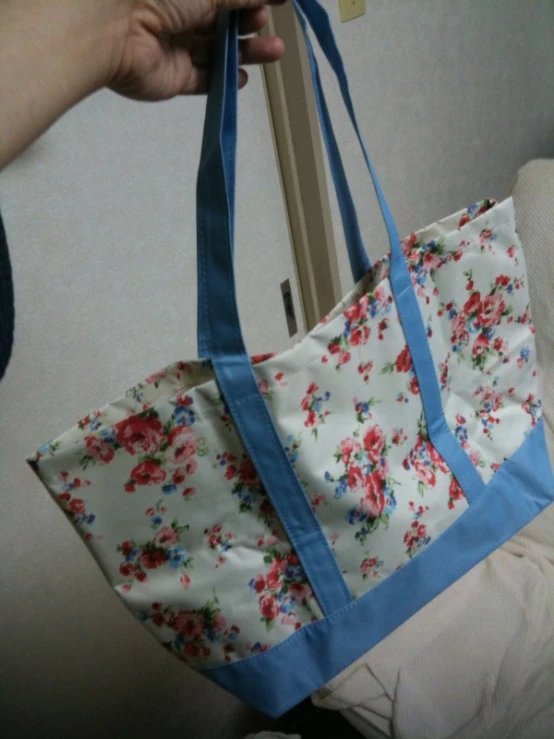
(304, 662)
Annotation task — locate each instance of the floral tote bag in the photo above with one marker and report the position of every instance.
(270, 519)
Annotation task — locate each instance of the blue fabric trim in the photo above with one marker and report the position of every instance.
(440, 434)
(357, 255)
(220, 336)
(275, 681)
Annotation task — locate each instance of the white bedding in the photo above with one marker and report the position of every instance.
(478, 661)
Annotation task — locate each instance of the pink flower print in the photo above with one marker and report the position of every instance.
(269, 607)
(373, 501)
(166, 536)
(369, 568)
(348, 447)
(185, 581)
(156, 378)
(480, 345)
(139, 434)
(491, 310)
(99, 450)
(149, 472)
(460, 334)
(344, 358)
(374, 442)
(182, 445)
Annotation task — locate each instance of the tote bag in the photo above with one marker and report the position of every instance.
(271, 519)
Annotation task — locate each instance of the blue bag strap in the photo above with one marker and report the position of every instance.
(220, 336)
(357, 255)
(310, 12)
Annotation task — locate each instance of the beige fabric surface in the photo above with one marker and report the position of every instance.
(478, 661)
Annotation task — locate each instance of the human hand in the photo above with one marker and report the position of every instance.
(163, 48)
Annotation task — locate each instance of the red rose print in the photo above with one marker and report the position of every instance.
(151, 559)
(373, 502)
(374, 442)
(344, 358)
(77, 506)
(64, 497)
(503, 280)
(333, 348)
(189, 623)
(230, 472)
(248, 474)
(404, 360)
(472, 305)
(269, 607)
(259, 585)
(480, 345)
(355, 478)
(414, 386)
(491, 310)
(359, 335)
(272, 580)
(166, 536)
(139, 435)
(127, 547)
(311, 419)
(436, 458)
(148, 472)
(99, 450)
(178, 477)
(182, 445)
(455, 493)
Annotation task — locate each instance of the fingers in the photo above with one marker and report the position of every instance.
(252, 21)
(198, 82)
(260, 50)
(257, 50)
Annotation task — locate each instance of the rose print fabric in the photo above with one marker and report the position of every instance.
(161, 488)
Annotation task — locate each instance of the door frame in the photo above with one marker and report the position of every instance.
(293, 115)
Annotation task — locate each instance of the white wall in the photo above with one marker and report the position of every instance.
(452, 96)
(100, 217)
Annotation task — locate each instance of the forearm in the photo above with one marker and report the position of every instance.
(52, 55)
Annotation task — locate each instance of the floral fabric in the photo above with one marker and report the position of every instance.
(160, 486)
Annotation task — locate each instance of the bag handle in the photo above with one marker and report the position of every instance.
(311, 13)
(220, 337)
(401, 283)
